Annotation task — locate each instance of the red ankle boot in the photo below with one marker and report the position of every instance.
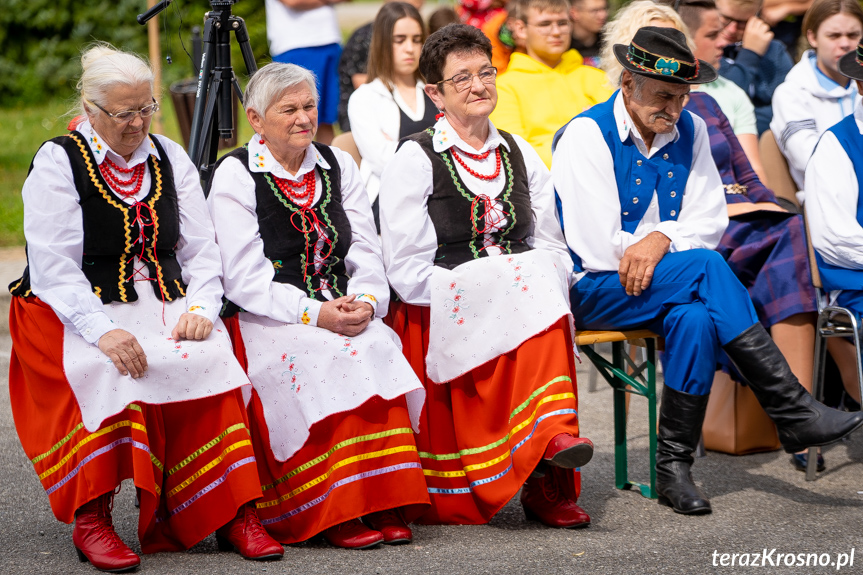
(568, 452)
(353, 535)
(543, 501)
(391, 525)
(245, 535)
(96, 541)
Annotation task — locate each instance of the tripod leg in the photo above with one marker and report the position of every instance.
(205, 80)
(210, 135)
(245, 48)
(237, 89)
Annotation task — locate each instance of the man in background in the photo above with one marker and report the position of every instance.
(588, 19)
(753, 59)
(544, 88)
(306, 33)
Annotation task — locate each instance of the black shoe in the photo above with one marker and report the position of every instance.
(848, 403)
(681, 416)
(798, 460)
(801, 421)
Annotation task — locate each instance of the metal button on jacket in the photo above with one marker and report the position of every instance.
(664, 156)
(634, 200)
(673, 194)
(637, 181)
(638, 162)
(673, 213)
(670, 174)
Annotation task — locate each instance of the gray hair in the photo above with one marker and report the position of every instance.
(626, 23)
(638, 82)
(104, 67)
(271, 81)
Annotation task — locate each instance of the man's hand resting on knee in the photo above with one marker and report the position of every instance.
(639, 260)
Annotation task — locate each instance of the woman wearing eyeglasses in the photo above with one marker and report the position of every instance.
(474, 251)
(120, 366)
(392, 104)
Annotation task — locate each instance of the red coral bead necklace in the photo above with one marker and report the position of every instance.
(301, 193)
(108, 169)
(478, 157)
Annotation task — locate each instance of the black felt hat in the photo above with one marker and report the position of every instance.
(851, 64)
(662, 53)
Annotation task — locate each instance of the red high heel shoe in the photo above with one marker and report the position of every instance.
(245, 535)
(96, 541)
(391, 525)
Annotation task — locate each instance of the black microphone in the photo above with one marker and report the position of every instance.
(146, 16)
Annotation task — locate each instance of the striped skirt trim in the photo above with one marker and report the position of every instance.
(192, 461)
(352, 464)
(482, 434)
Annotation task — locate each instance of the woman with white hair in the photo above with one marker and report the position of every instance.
(120, 365)
(305, 280)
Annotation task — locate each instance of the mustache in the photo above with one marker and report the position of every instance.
(661, 115)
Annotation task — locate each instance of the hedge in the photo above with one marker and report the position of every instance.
(41, 40)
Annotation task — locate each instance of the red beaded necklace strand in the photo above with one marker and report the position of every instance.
(107, 168)
(302, 197)
(478, 157)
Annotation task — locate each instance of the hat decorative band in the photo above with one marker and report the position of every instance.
(860, 54)
(662, 65)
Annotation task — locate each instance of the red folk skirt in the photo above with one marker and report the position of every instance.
(192, 461)
(483, 433)
(352, 464)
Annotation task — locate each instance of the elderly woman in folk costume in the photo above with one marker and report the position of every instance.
(120, 365)
(474, 251)
(329, 413)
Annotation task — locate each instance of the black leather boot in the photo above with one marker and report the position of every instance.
(801, 421)
(680, 418)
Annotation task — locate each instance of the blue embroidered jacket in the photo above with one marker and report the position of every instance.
(638, 176)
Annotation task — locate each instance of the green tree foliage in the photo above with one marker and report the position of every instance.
(41, 40)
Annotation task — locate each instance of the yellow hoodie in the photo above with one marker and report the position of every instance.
(534, 101)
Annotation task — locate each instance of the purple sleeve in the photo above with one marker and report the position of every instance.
(743, 172)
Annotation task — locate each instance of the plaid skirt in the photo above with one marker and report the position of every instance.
(767, 252)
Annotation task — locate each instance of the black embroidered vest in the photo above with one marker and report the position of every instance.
(112, 236)
(458, 215)
(290, 237)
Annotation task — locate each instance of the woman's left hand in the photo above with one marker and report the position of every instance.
(192, 326)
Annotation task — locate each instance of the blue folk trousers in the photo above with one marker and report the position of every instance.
(694, 301)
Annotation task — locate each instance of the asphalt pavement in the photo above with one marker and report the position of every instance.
(760, 504)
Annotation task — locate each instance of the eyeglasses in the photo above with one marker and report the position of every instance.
(463, 81)
(547, 26)
(128, 115)
(727, 21)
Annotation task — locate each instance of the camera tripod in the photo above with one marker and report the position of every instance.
(213, 115)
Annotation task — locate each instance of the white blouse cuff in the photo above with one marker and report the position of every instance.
(370, 299)
(204, 310)
(94, 326)
(308, 311)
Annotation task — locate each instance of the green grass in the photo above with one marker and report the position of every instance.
(22, 131)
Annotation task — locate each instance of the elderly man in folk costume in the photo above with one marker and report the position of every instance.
(642, 209)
